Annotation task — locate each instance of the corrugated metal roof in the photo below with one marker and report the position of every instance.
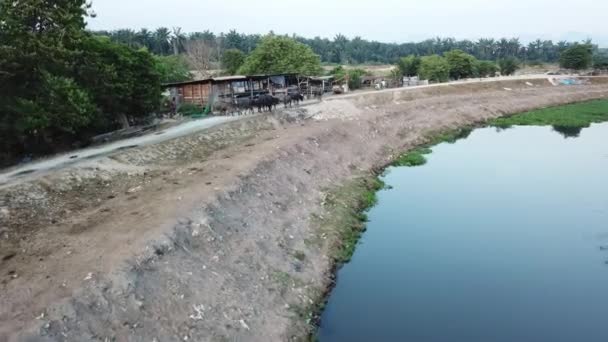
(175, 84)
(229, 78)
(321, 78)
(223, 79)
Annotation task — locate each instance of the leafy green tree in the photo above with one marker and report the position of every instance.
(172, 69)
(576, 57)
(232, 60)
(485, 69)
(434, 68)
(354, 76)
(123, 82)
(39, 102)
(59, 84)
(600, 62)
(462, 65)
(409, 66)
(277, 54)
(508, 66)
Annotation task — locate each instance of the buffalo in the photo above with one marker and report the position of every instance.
(294, 97)
(265, 101)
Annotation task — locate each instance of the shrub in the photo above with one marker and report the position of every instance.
(188, 109)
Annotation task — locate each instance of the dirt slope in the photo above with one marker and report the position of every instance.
(210, 237)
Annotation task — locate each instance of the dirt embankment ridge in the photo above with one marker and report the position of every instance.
(214, 236)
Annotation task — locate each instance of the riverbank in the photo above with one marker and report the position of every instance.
(346, 206)
(216, 236)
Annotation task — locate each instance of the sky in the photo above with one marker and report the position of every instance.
(382, 20)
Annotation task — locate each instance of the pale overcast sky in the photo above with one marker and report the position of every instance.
(382, 20)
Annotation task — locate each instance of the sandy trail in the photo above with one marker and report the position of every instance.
(208, 236)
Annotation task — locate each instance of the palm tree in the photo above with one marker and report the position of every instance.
(162, 38)
(144, 37)
(177, 40)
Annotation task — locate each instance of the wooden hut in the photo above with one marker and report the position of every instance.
(225, 88)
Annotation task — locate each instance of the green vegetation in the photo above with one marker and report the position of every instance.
(434, 68)
(409, 66)
(354, 76)
(461, 64)
(448, 136)
(341, 49)
(568, 120)
(577, 57)
(232, 60)
(508, 66)
(59, 85)
(600, 62)
(277, 54)
(346, 221)
(414, 157)
(172, 69)
(299, 255)
(188, 109)
(485, 69)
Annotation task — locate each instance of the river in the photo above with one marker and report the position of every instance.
(502, 236)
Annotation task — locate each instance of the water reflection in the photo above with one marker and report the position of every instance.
(568, 131)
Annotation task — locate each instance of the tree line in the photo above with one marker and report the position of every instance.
(342, 50)
(61, 84)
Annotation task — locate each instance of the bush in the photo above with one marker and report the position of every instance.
(354, 76)
(409, 66)
(485, 69)
(462, 65)
(434, 68)
(508, 66)
(189, 109)
(600, 62)
(576, 57)
(172, 69)
(232, 60)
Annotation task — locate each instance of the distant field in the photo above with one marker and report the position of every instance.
(374, 69)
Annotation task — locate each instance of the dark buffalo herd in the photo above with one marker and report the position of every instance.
(263, 102)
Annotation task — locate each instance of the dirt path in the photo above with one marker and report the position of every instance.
(211, 236)
(37, 168)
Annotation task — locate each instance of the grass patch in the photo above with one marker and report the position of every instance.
(346, 219)
(414, 157)
(449, 136)
(299, 255)
(563, 118)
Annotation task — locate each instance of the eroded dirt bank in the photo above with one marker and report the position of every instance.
(214, 236)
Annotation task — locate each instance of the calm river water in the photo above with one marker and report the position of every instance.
(499, 237)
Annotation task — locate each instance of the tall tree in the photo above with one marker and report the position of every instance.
(577, 57)
(162, 41)
(434, 68)
(199, 55)
(462, 65)
(508, 66)
(409, 66)
(276, 54)
(177, 40)
(232, 60)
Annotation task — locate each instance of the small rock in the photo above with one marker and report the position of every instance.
(135, 189)
(243, 324)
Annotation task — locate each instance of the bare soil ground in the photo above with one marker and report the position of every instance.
(213, 236)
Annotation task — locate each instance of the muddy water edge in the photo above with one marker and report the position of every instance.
(346, 206)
